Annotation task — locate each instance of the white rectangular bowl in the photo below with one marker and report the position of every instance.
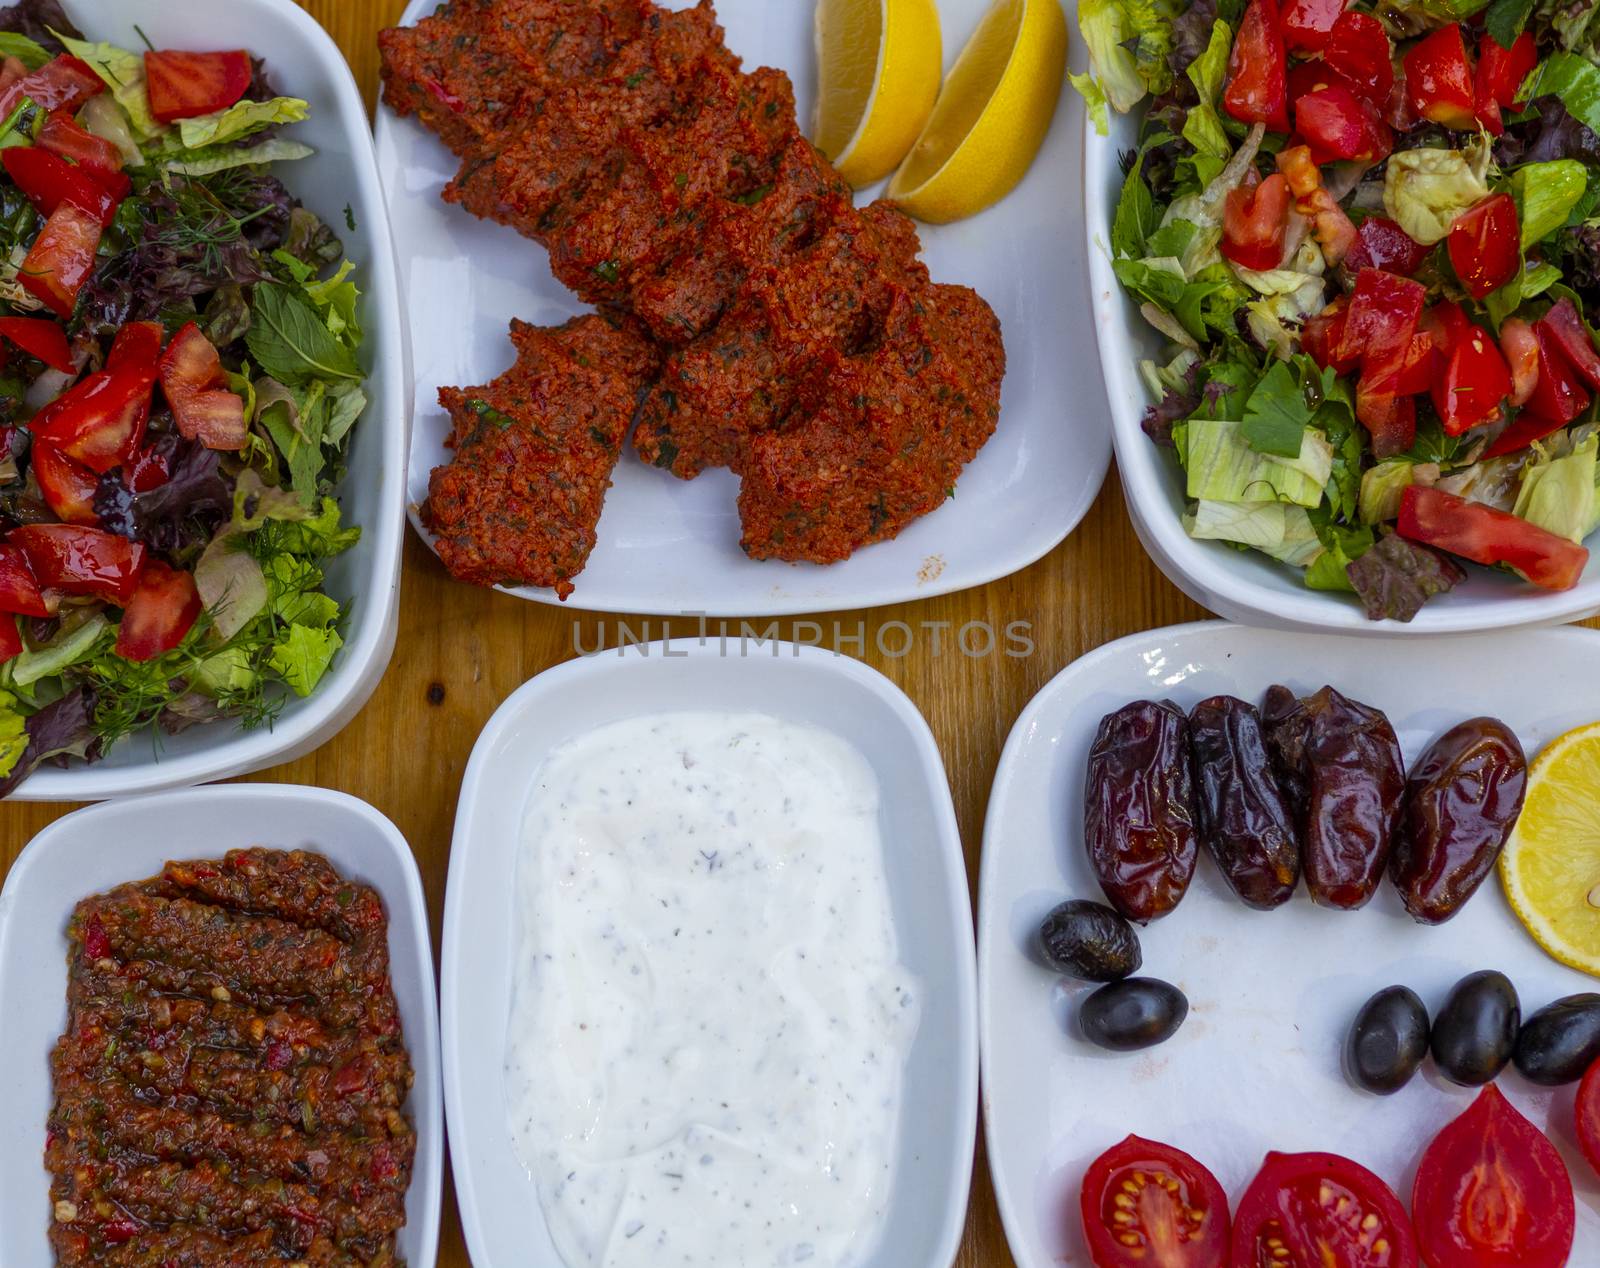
(1272, 994)
(1246, 585)
(927, 877)
(304, 62)
(94, 850)
(668, 546)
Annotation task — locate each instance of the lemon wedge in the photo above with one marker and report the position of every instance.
(1550, 867)
(878, 67)
(991, 116)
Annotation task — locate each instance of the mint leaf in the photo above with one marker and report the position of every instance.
(290, 342)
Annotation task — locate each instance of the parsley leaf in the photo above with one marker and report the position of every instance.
(1276, 414)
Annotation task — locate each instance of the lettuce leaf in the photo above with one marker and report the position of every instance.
(1203, 127)
(1128, 43)
(13, 730)
(1545, 194)
(29, 52)
(122, 72)
(1576, 81)
(1222, 467)
(240, 120)
(1558, 494)
(1382, 487)
(1282, 531)
(225, 158)
(302, 656)
(1424, 190)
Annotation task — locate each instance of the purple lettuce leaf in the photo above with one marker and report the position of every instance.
(1397, 577)
(58, 731)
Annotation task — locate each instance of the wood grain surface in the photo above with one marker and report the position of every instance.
(462, 651)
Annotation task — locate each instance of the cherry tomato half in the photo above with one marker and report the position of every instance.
(1148, 1205)
(1320, 1211)
(1492, 1192)
(1483, 245)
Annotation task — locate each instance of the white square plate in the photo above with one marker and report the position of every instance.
(93, 850)
(1272, 994)
(303, 61)
(927, 877)
(667, 546)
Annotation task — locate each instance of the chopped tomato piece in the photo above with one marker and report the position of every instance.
(50, 182)
(68, 487)
(1306, 24)
(1447, 324)
(1258, 71)
(1520, 347)
(1321, 336)
(1474, 385)
(1329, 224)
(40, 338)
(150, 470)
(1439, 79)
(1489, 536)
(1254, 222)
(64, 136)
(1528, 428)
(1502, 71)
(162, 611)
(1492, 1190)
(187, 85)
(1419, 370)
(1558, 395)
(1567, 329)
(19, 592)
(1383, 244)
(1358, 49)
(62, 259)
(1144, 1203)
(101, 420)
(1320, 1211)
(81, 560)
(197, 389)
(1483, 245)
(10, 639)
(137, 344)
(1339, 125)
(1310, 77)
(1390, 420)
(1383, 315)
(63, 84)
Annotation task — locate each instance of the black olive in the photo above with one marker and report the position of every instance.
(1476, 1030)
(1560, 1041)
(1091, 941)
(1388, 1041)
(1137, 1012)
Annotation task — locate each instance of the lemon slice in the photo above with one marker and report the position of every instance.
(1551, 865)
(991, 116)
(878, 67)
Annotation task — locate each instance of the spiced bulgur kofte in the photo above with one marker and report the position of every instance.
(791, 330)
(230, 1085)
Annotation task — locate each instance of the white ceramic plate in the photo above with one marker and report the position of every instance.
(500, 1211)
(94, 850)
(1246, 585)
(668, 547)
(1272, 994)
(304, 61)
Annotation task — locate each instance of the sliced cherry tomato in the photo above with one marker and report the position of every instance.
(1492, 1192)
(40, 338)
(101, 420)
(1520, 347)
(1527, 428)
(1447, 324)
(1439, 79)
(1320, 1211)
(62, 259)
(1258, 71)
(1488, 536)
(49, 182)
(64, 136)
(1329, 224)
(1558, 395)
(81, 560)
(1149, 1205)
(1254, 222)
(196, 387)
(187, 85)
(162, 611)
(10, 638)
(63, 84)
(68, 487)
(1502, 72)
(1588, 1116)
(1339, 125)
(1322, 335)
(1475, 383)
(137, 344)
(19, 592)
(1383, 244)
(1358, 49)
(1483, 245)
(1564, 326)
(1306, 24)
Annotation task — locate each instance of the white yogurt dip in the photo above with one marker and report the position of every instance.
(710, 1023)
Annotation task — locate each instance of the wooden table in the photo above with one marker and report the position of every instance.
(462, 651)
